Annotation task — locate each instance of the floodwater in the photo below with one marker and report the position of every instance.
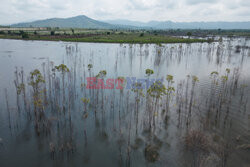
(125, 127)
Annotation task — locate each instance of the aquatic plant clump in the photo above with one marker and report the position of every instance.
(157, 90)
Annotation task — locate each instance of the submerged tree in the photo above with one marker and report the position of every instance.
(100, 85)
(138, 90)
(85, 102)
(156, 92)
(170, 90)
(194, 82)
(36, 79)
(63, 69)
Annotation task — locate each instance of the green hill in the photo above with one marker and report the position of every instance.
(73, 22)
(88, 23)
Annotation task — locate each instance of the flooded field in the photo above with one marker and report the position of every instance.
(176, 105)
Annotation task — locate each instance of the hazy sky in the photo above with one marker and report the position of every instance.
(13, 11)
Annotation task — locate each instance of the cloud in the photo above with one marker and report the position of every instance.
(13, 11)
(194, 2)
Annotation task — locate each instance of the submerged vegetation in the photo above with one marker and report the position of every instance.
(144, 122)
(156, 95)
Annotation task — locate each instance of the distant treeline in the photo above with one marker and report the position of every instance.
(119, 35)
(171, 32)
(202, 32)
(4, 26)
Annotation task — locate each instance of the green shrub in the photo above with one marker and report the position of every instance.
(21, 32)
(25, 35)
(189, 34)
(52, 32)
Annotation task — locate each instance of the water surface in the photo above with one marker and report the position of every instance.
(115, 129)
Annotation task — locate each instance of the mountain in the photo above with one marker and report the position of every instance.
(86, 22)
(150, 24)
(183, 25)
(203, 25)
(127, 22)
(72, 22)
